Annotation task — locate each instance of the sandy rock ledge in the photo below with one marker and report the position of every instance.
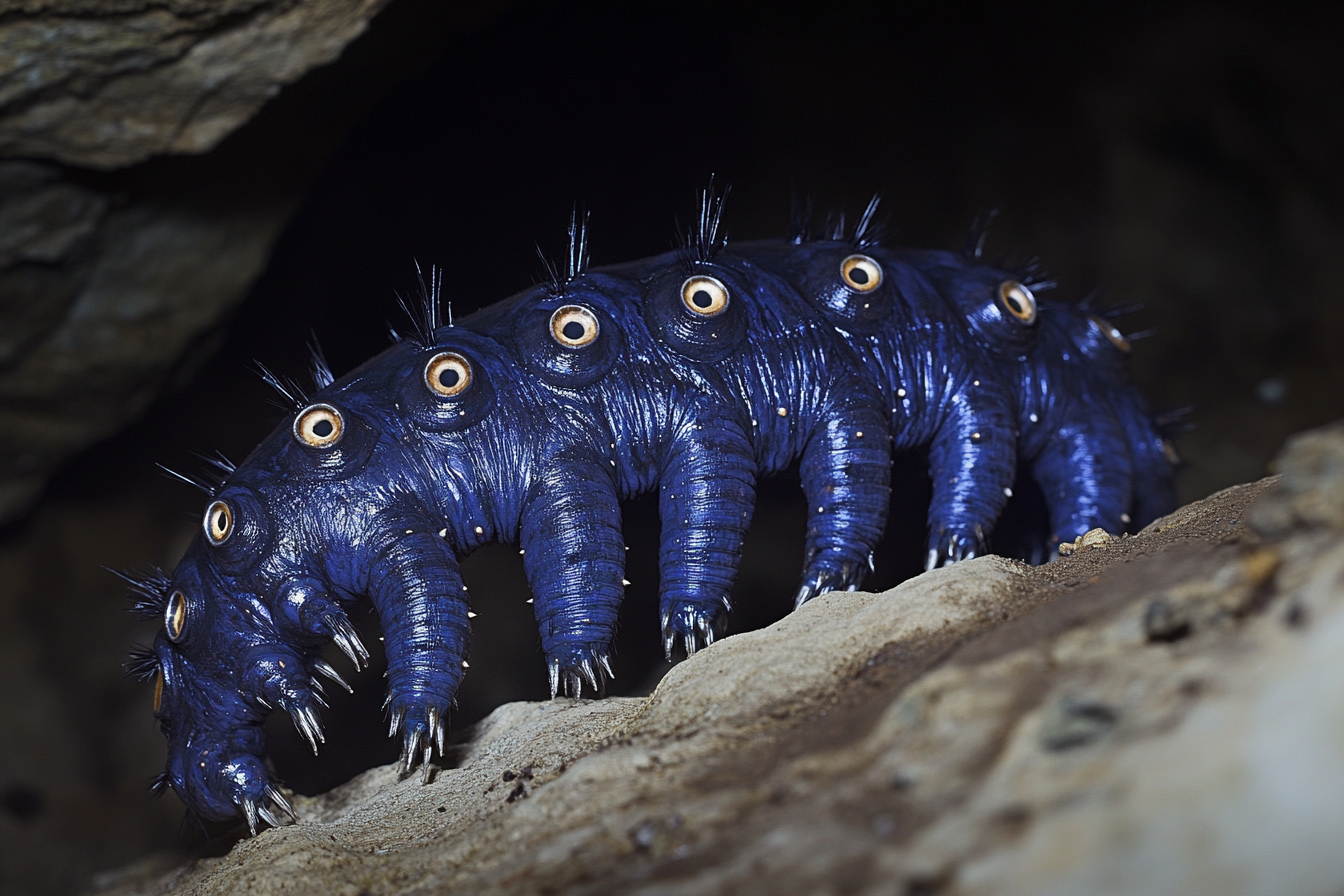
(1155, 714)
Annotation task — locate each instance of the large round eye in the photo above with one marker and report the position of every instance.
(218, 523)
(705, 296)
(1110, 332)
(175, 616)
(448, 374)
(1019, 301)
(861, 273)
(574, 326)
(319, 426)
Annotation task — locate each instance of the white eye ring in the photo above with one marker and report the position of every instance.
(574, 326)
(175, 616)
(448, 374)
(1018, 301)
(218, 523)
(319, 426)
(704, 296)
(861, 273)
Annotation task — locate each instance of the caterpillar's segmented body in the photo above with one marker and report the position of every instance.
(693, 373)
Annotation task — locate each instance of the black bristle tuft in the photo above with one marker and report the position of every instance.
(424, 314)
(148, 586)
(294, 396)
(868, 230)
(318, 368)
(703, 241)
(578, 245)
(1029, 272)
(196, 482)
(143, 664)
(554, 283)
(974, 246)
(576, 259)
(221, 464)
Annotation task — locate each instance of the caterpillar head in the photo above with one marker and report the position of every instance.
(352, 495)
(216, 640)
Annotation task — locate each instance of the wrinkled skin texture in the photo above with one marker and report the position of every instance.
(693, 373)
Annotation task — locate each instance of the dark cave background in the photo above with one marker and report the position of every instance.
(1184, 157)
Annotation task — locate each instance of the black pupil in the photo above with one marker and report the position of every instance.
(323, 428)
(220, 521)
(448, 377)
(574, 330)
(858, 275)
(1016, 305)
(702, 298)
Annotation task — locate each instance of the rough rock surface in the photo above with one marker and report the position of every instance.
(98, 302)
(112, 285)
(107, 84)
(1155, 714)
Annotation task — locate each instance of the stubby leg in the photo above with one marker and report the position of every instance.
(1154, 491)
(846, 473)
(706, 498)
(972, 462)
(574, 556)
(1084, 471)
(417, 589)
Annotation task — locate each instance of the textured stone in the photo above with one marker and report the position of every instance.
(104, 85)
(112, 284)
(98, 304)
(989, 728)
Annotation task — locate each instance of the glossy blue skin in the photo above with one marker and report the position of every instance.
(549, 438)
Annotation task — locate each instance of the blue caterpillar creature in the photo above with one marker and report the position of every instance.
(692, 373)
